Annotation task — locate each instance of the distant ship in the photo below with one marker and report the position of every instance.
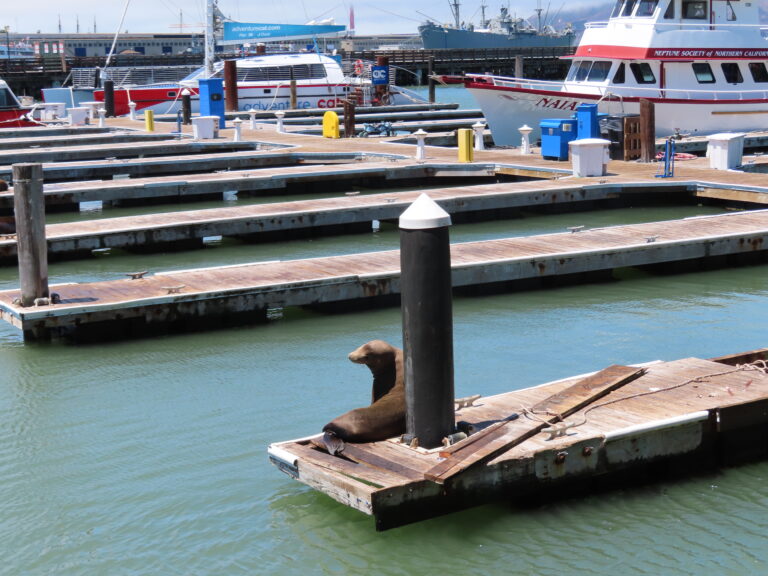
(500, 32)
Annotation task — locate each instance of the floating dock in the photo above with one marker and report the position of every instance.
(618, 425)
(246, 292)
(344, 214)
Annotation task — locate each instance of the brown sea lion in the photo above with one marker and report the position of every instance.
(7, 224)
(385, 417)
(3, 185)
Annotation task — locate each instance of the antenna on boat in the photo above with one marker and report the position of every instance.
(117, 33)
(538, 15)
(455, 9)
(210, 39)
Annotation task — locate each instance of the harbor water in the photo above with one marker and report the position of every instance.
(149, 456)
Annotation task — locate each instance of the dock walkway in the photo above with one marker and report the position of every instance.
(254, 288)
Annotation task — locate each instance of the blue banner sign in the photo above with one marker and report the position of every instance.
(241, 32)
(379, 75)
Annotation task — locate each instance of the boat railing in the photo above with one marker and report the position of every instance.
(607, 91)
(664, 26)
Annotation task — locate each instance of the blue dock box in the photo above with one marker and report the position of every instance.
(212, 99)
(555, 135)
(588, 124)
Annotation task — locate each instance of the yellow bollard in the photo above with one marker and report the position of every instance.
(149, 120)
(466, 150)
(331, 125)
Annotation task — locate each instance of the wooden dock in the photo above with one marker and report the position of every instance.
(70, 194)
(246, 292)
(582, 433)
(158, 147)
(154, 232)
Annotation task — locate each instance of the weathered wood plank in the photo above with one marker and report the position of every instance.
(490, 442)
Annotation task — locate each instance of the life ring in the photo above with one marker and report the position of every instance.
(358, 67)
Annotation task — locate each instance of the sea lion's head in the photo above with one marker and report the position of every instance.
(375, 354)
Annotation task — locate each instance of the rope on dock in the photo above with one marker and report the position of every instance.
(757, 366)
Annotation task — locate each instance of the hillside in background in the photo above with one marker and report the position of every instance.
(577, 16)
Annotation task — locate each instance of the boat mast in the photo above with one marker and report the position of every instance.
(538, 15)
(210, 38)
(455, 9)
(483, 23)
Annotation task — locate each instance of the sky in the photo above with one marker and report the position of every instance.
(382, 17)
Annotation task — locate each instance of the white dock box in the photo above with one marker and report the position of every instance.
(205, 127)
(725, 150)
(589, 156)
(78, 116)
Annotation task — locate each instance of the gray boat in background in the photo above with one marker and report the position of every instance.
(500, 32)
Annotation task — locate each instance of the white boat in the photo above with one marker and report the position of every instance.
(17, 50)
(264, 83)
(701, 62)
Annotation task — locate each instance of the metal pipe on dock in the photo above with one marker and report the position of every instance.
(426, 298)
(32, 247)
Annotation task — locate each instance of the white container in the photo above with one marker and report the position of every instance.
(205, 127)
(725, 150)
(78, 116)
(589, 157)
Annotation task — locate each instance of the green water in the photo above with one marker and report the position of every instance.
(149, 456)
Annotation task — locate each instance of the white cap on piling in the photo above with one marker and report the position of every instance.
(423, 214)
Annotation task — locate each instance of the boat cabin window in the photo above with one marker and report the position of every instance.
(642, 73)
(7, 99)
(759, 73)
(281, 73)
(703, 73)
(583, 71)
(618, 78)
(617, 8)
(647, 7)
(669, 13)
(695, 9)
(599, 71)
(730, 13)
(629, 5)
(732, 72)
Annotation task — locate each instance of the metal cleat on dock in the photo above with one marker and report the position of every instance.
(465, 402)
(650, 239)
(558, 430)
(136, 275)
(174, 289)
(574, 229)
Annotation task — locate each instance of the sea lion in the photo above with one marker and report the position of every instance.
(385, 417)
(3, 185)
(7, 224)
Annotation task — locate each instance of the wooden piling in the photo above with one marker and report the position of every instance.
(294, 95)
(32, 248)
(349, 119)
(647, 131)
(519, 73)
(230, 81)
(426, 299)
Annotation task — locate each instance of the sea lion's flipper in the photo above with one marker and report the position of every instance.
(333, 443)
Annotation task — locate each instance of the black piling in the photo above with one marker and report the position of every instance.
(425, 264)
(32, 247)
(186, 107)
(109, 98)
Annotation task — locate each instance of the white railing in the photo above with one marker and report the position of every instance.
(606, 91)
(698, 25)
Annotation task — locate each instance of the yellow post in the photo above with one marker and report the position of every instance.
(466, 150)
(149, 120)
(331, 125)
